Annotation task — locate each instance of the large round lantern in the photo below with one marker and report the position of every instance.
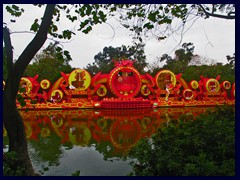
(144, 90)
(79, 134)
(102, 91)
(188, 94)
(79, 79)
(165, 78)
(124, 82)
(193, 84)
(45, 84)
(226, 85)
(212, 85)
(27, 84)
(56, 95)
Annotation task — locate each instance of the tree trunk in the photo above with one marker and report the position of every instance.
(11, 117)
(17, 139)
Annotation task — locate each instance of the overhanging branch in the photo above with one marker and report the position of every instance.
(37, 42)
(230, 15)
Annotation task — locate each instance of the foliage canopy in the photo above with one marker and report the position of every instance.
(204, 146)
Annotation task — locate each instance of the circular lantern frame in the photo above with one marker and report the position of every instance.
(125, 82)
(79, 79)
(144, 90)
(53, 93)
(194, 84)
(187, 97)
(28, 84)
(226, 85)
(45, 84)
(102, 91)
(160, 78)
(212, 88)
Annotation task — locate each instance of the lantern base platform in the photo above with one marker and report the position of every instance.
(118, 103)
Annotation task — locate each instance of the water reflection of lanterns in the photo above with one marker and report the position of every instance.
(79, 135)
(121, 129)
(102, 123)
(125, 133)
(56, 121)
(4, 84)
(4, 132)
(28, 129)
(45, 132)
(148, 125)
(145, 122)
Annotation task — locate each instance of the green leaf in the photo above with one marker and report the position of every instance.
(60, 36)
(89, 10)
(58, 49)
(67, 34)
(152, 16)
(15, 7)
(54, 28)
(102, 16)
(87, 30)
(35, 26)
(33, 101)
(22, 90)
(168, 21)
(76, 173)
(148, 26)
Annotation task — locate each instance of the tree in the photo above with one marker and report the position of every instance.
(189, 147)
(231, 61)
(88, 15)
(146, 19)
(224, 11)
(182, 58)
(104, 60)
(48, 64)
(179, 63)
(13, 121)
(185, 54)
(209, 71)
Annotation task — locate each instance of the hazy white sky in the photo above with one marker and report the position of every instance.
(213, 38)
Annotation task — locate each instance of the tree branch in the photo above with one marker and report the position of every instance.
(37, 42)
(228, 16)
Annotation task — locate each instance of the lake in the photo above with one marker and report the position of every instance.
(93, 141)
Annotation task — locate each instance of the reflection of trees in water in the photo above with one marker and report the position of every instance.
(105, 148)
(100, 138)
(68, 145)
(47, 150)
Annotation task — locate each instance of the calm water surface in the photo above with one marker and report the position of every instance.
(94, 142)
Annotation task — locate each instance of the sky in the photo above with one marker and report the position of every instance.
(213, 38)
